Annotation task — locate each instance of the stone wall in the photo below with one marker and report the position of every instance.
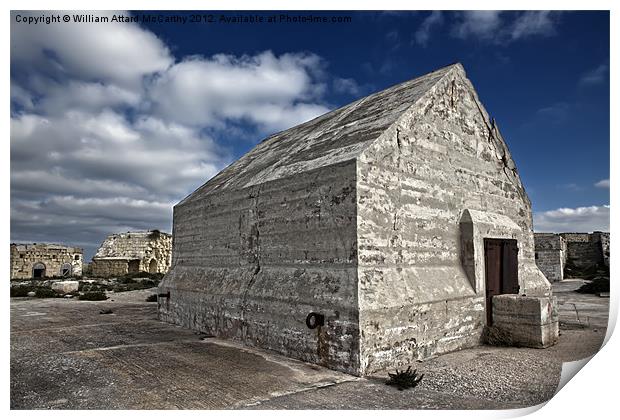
(587, 249)
(53, 257)
(551, 253)
(581, 250)
(133, 252)
(440, 173)
(109, 267)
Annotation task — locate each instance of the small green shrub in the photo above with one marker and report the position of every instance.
(152, 298)
(142, 275)
(44, 292)
(93, 296)
(21, 291)
(40, 292)
(128, 284)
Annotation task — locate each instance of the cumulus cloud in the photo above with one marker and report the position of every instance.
(273, 92)
(595, 76)
(603, 183)
(109, 130)
(503, 27)
(116, 53)
(580, 219)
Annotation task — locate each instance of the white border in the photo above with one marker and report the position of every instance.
(590, 394)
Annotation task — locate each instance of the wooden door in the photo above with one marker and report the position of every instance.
(501, 269)
(510, 270)
(493, 268)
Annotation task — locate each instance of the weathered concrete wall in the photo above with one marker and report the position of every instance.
(251, 264)
(439, 172)
(122, 253)
(551, 252)
(53, 256)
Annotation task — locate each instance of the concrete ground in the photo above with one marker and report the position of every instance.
(65, 354)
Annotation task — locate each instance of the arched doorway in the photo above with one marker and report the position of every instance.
(38, 270)
(153, 266)
(65, 270)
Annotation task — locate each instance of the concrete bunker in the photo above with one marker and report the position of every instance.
(372, 217)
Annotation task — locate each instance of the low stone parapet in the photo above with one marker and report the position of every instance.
(526, 321)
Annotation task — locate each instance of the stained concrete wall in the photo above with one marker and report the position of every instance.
(121, 253)
(53, 256)
(551, 253)
(414, 185)
(251, 264)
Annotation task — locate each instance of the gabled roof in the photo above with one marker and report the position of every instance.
(337, 136)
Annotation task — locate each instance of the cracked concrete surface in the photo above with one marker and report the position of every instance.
(66, 355)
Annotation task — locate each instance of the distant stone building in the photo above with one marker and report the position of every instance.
(550, 255)
(581, 250)
(587, 249)
(45, 260)
(380, 233)
(132, 252)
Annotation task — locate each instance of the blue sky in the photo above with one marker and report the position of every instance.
(111, 124)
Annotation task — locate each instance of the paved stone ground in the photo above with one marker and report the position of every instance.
(66, 355)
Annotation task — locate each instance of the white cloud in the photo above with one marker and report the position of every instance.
(348, 86)
(603, 183)
(595, 76)
(580, 219)
(109, 130)
(423, 34)
(532, 23)
(556, 112)
(272, 92)
(481, 24)
(503, 27)
(117, 53)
